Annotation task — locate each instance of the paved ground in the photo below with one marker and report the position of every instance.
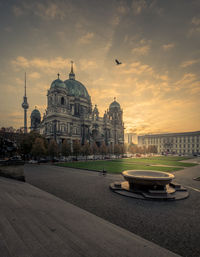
(34, 223)
(173, 225)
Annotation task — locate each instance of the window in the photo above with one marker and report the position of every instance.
(62, 100)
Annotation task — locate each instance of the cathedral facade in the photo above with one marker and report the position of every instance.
(70, 116)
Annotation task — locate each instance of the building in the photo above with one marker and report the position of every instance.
(70, 116)
(130, 138)
(173, 143)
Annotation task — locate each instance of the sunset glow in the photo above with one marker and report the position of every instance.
(157, 84)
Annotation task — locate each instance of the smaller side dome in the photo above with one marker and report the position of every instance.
(35, 114)
(114, 104)
(58, 83)
(35, 119)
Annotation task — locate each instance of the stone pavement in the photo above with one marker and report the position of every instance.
(172, 225)
(34, 223)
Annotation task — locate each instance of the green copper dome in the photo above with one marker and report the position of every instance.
(58, 84)
(36, 114)
(76, 88)
(114, 104)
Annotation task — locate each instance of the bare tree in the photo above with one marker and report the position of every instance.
(95, 148)
(76, 148)
(38, 149)
(52, 149)
(103, 149)
(86, 149)
(66, 148)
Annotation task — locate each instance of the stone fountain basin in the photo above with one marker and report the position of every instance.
(148, 178)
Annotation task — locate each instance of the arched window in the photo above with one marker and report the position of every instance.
(62, 100)
(50, 100)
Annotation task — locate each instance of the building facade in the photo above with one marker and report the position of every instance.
(70, 116)
(130, 138)
(173, 143)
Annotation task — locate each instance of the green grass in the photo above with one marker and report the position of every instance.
(171, 158)
(153, 161)
(117, 166)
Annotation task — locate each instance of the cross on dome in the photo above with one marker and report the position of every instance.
(58, 75)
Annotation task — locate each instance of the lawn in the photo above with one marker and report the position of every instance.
(117, 166)
(158, 161)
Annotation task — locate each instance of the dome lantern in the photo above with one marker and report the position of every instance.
(58, 83)
(72, 74)
(114, 105)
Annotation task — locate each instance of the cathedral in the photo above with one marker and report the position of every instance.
(70, 116)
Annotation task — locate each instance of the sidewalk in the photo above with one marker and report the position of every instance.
(36, 223)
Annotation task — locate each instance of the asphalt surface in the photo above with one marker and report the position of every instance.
(173, 224)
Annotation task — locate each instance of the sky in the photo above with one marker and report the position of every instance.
(157, 41)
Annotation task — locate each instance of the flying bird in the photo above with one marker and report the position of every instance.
(117, 62)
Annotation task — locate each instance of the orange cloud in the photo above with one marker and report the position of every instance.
(167, 47)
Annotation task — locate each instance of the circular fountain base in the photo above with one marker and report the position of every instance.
(149, 185)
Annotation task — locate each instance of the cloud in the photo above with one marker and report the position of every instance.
(86, 39)
(167, 47)
(141, 50)
(34, 75)
(86, 64)
(40, 63)
(50, 11)
(17, 11)
(136, 68)
(195, 21)
(8, 29)
(138, 6)
(196, 26)
(188, 63)
(47, 11)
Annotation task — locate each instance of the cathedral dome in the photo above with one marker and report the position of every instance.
(58, 84)
(35, 114)
(114, 104)
(76, 88)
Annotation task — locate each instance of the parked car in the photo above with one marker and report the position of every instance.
(43, 160)
(55, 159)
(33, 162)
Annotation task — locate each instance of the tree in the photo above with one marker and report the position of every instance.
(27, 142)
(86, 149)
(117, 150)
(152, 149)
(52, 149)
(110, 149)
(132, 148)
(76, 148)
(38, 149)
(95, 148)
(103, 149)
(66, 148)
(122, 149)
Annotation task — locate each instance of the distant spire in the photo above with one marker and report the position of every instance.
(72, 71)
(71, 74)
(25, 85)
(25, 106)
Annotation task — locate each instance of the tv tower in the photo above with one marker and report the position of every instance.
(25, 106)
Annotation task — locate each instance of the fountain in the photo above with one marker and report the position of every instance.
(152, 185)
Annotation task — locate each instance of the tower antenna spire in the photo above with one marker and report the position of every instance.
(25, 85)
(25, 106)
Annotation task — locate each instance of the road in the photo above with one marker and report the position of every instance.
(173, 225)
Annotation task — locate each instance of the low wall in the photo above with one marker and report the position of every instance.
(13, 171)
